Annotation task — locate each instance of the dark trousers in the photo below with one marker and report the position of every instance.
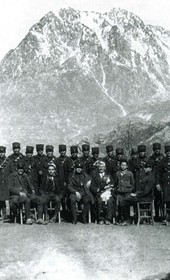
(17, 201)
(110, 208)
(158, 203)
(123, 206)
(85, 200)
(51, 197)
(3, 207)
(38, 202)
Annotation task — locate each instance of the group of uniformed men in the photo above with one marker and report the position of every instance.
(109, 186)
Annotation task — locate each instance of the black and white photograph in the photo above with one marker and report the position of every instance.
(84, 140)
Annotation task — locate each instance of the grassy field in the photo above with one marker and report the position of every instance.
(66, 251)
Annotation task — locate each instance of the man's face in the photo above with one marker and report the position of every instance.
(78, 170)
(74, 155)
(142, 154)
(157, 152)
(49, 153)
(85, 153)
(95, 156)
(51, 171)
(123, 166)
(16, 151)
(29, 155)
(110, 153)
(102, 168)
(20, 171)
(2, 155)
(168, 154)
(134, 156)
(63, 153)
(119, 156)
(40, 152)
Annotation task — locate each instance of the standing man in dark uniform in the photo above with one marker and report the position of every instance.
(39, 161)
(50, 158)
(110, 161)
(85, 158)
(163, 179)
(60, 161)
(29, 167)
(92, 162)
(133, 162)
(15, 157)
(69, 163)
(119, 156)
(4, 173)
(142, 153)
(156, 159)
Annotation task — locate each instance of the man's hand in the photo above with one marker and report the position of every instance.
(158, 187)
(33, 192)
(78, 195)
(22, 194)
(40, 172)
(133, 194)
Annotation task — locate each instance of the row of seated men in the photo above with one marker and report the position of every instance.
(105, 184)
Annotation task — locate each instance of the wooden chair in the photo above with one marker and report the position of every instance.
(145, 211)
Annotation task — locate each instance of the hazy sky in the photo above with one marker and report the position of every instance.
(17, 16)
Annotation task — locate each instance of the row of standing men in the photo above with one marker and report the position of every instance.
(32, 174)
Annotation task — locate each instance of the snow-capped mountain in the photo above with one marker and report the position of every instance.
(79, 73)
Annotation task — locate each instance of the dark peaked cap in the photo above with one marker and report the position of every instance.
(39, 147)
(2, 149)
(29, 149)
(16, 145)
(62, 147)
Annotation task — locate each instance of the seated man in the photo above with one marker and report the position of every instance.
(103, 192)
(124, 185)
(144, 189)
(20, 190)
(78, 188)
(51, 191)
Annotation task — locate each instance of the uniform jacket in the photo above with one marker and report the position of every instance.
(50, 185)
(29, 169)
(4, 174)
(19, 183)
(69, 168)
(124, 182)
(133, 166)
(60, 161)
(39, 163)
(78, 183)
(144, 185)
(99, 183)
(13, 160)
(84, 160)
(163, 178)
(111, 166)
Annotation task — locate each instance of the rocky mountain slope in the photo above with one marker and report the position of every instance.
(80, 73)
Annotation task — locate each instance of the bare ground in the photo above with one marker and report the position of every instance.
(66, 251)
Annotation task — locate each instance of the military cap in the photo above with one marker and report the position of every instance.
(16, 145)
(167, 148)
(39, 147)
(20, 165)
(134, 151)
(29, 149)
(109, 148)
(52, 164)
(119, 151)
(78, 164)
(156, 146)
(85, 147)
(49, 148)
(2, 149)
(62, 148)
(73, 149)
(95, 150)
(141, 148)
